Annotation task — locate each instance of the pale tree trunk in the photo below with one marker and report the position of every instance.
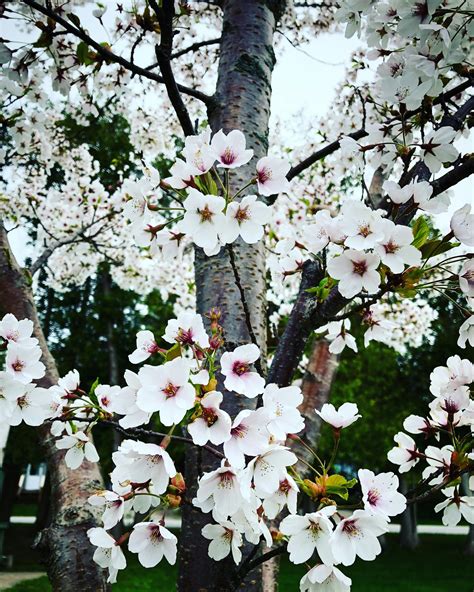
(64, 543)
(408, 528)
(242, 101)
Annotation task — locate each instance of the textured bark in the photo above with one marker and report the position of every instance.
(408, 527)
(65, 545)
(242, 101)
(316, 388)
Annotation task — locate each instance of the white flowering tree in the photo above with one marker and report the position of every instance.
(358, 252)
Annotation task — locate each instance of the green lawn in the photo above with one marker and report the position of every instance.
(437, 566)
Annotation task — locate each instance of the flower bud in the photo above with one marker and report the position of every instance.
(178, 482)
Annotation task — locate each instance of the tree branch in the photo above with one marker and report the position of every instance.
(46, 254)
(142, 433)
(195, 47)
(300, 324)
(165, 15)
(454, 176)
(333, 146)
(322, 153)
(108, 55)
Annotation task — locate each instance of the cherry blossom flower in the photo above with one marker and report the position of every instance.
(23, 363)
(325, 578)
(438, 149)
(439, 463)
(187, 330)
(457, 372)
(271, 175)
(399, 195)
(285, 495)
(235, 366)
(225, 539)
(466, 333)
(166, 389)
(10, 391)
(78, 447)
(246, 219)
(405, 454)
(456, 507)
(414, 424)
(114, 507)
(309, 533)
(462, 225)
(339, 336)
(422, 191)
(125, 403)
(343, 417)
(379, 493)
(152, 542)
(213, 424)
(136, 207)
(357, 536)
(454, 400)
(32, 406)
(108, 553)
(269, 467)
(15, 331)
(198, 152)
(380, 329)
(203, 219)
(318, 234)
(230, 150)
(106, 395)
(356, 271)
(395, 248)
(182, 174)
(146, 346)
(139, 462)
(281, 405)
(466, 278)
(362, 225)
(248, 435)
(226, 488)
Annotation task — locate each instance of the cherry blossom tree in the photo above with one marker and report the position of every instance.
(367, 252)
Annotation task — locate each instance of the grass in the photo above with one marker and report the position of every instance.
(438, 565)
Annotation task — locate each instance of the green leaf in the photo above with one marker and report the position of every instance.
(92, 394)
(82, 52)
(436, 247)
(338, 485)
(421, 231)
(74, 19)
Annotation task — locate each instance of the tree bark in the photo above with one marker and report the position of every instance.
(316, 388)
(67, 550)
(242, 101)
(408, 528)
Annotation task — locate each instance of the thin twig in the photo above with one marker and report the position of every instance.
(108, 55)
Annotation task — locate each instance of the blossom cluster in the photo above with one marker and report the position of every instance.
(451, 419)
(259, 476)
(208, 212)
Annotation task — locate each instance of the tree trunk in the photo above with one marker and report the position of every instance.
(242, 101)
(469, 550)
(408, 527)
(316, 387)
(67, 550)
